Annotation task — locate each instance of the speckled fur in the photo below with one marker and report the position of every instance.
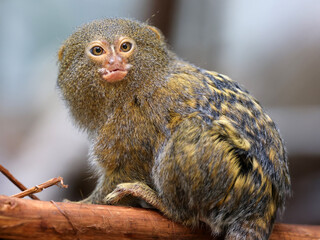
(191, 142)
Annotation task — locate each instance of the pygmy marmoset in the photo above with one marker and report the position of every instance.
(190, 142)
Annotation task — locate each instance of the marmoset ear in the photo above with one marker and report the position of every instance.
(60, 52)
(156, 31)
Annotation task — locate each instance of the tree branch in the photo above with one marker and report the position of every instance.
(30, 219)
(40, 187)
(15, 181)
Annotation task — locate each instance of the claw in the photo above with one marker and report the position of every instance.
(115, 195)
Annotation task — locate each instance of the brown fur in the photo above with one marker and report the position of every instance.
(190, 142)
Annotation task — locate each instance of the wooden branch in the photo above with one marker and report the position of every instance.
(30, 219)
(15, 181)
(295, 232)
(40, 187)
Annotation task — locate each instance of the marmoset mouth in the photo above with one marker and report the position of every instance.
(114, 75)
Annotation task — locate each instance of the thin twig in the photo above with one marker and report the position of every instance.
(39, 188)
(15, 181)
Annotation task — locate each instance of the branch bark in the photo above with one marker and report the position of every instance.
(31, 219)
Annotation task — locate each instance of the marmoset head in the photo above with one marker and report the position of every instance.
(110, 48)
(108, 60)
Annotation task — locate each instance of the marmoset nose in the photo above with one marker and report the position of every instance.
(112, 60)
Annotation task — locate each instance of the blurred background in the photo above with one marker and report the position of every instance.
(271, 47)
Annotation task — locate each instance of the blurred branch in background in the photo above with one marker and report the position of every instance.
(163, 15)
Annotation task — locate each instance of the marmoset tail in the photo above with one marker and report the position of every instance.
(190, 142)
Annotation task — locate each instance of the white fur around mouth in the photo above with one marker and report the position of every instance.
(103, 71)
(106, 71)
